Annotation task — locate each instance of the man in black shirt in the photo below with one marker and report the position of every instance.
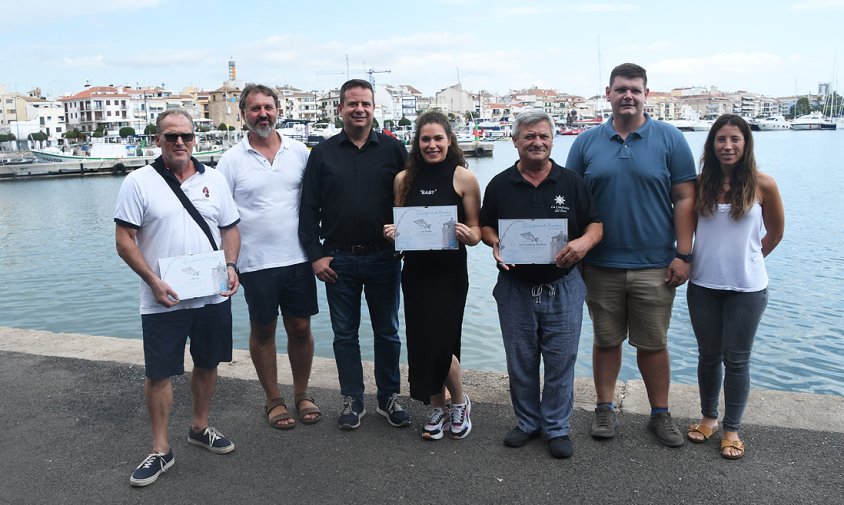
(347, 198)
(540, 306)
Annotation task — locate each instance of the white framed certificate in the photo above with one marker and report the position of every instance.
(425, 228)
(531, 241)
(195, 275)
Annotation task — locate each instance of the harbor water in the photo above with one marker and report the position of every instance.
(59, 271)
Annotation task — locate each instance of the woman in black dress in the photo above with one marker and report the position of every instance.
(435, 283)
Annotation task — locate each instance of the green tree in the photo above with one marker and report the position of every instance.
(389, 124)
(231, 128)
(150, 129)
(222, 127)
(72, 134)
(801, 107)
(39, 137)
(374, 123)
(126, 131)
(7, 137)
(99, 132)
(404, 121)
(338, 123)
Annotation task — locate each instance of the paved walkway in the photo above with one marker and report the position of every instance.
(76, 427)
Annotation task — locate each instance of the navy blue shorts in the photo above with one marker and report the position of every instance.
(166, 333)
(291, 288)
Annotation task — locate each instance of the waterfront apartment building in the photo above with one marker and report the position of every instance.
(96, 106)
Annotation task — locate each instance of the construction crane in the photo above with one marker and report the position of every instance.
(368, 71)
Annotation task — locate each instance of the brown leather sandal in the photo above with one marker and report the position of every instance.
(734, 444)
(274, 420)
(704, 430)
(305, 397)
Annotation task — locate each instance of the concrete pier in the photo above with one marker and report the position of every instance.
(75, 427)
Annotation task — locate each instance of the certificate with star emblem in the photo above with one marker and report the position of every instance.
(531, 241)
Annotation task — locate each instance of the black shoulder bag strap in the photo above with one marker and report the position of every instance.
(159, 167)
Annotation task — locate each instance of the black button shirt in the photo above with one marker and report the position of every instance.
(563, 194)
(347, 193)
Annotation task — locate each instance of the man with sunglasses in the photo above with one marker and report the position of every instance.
(153, 223)
(264, 172)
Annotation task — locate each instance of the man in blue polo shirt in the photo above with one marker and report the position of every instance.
(641, 173)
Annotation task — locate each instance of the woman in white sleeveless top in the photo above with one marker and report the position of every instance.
(740, 221)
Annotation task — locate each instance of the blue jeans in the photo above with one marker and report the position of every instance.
(725, 325)
(377, 275)
(541, 322)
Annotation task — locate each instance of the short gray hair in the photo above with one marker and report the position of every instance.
(170, 112)
(529, 117)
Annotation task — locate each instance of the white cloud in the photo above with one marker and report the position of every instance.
(606, 8)
(84, 61)
(52, 10)
(818, 5)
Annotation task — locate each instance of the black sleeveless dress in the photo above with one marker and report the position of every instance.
(434, 285)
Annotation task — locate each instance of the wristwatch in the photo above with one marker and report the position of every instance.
(685, 257)
(233, 265)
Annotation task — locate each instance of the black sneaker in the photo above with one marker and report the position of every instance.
(665, 430)
(211, 439)
(351, 414)
(604, 423)
(150, 468)
(393, 411)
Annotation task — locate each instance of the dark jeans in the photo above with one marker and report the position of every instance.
(725, 325)
(375, 275)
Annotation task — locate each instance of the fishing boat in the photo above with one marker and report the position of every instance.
(107, 152)
(53, 155)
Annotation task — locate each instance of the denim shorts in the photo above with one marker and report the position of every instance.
(637, 303)
(166, 333)
(290, 288)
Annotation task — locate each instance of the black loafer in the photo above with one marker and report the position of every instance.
(517, 438)
(560, 447)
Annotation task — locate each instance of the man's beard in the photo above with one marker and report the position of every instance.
(262, 131)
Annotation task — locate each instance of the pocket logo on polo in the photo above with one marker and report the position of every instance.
(559, 206)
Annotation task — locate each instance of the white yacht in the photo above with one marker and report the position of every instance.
(813, 121)
(772, 123)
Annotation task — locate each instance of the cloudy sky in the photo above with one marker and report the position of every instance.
(775, 47)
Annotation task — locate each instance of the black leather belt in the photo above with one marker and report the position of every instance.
(359, 249)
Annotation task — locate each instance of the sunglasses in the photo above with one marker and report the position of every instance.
(174, 137)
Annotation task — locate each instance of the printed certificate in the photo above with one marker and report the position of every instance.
(425, 228)
(531, 241)
(195, 275)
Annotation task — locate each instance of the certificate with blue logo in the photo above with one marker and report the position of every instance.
(531, 241)
(425, 228)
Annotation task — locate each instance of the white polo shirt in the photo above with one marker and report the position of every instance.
(267, 197)
(145, 202)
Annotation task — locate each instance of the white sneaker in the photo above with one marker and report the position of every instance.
(437, 424)
(461, 423)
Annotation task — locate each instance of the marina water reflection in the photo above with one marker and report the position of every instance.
(59, 271)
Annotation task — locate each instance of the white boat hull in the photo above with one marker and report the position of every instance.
(50, 157)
